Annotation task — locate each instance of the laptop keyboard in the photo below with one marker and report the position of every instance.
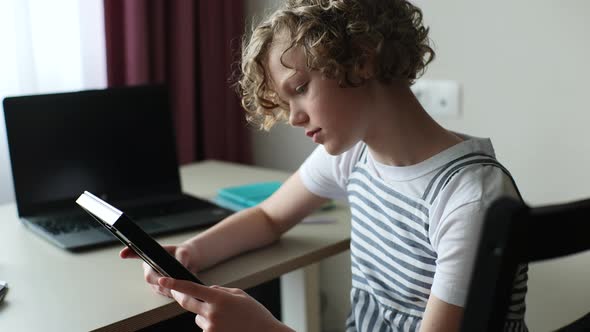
(78, 223)
(68, 224)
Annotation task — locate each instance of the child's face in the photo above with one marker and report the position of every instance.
(331, 115)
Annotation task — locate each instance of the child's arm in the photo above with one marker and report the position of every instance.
(440, 316)
(257, 226)
(245, 230)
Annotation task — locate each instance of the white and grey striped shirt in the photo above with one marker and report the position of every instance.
(414, 229)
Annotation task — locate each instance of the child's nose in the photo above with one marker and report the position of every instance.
(297, 117)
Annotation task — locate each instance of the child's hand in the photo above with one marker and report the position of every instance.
(222, 309)
(182, 254)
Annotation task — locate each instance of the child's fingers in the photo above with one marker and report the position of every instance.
(234, 291)
(195, 290)
(190, 303)
(127, 253)
(150, 275)
(202, 322)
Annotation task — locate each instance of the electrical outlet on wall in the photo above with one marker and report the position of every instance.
(439, 97)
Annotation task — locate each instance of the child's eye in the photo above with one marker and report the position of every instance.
(301, 88)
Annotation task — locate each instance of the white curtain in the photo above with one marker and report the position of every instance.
(47, 46)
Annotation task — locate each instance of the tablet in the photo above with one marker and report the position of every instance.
(131, 235)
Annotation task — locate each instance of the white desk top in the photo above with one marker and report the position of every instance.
(55, 290)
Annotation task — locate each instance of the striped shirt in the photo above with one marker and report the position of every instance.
(403, 246)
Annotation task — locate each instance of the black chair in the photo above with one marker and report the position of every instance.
(514, 233)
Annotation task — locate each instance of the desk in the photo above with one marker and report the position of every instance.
(55, 290)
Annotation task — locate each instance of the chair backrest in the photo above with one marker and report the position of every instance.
(514, 233)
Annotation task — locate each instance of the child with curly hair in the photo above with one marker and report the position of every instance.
(342, 70)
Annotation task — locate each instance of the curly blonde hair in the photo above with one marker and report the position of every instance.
(337, 37)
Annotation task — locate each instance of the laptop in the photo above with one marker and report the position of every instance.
(118, 143)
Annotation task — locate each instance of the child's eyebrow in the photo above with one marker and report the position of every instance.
(280, 86)
(284, 82)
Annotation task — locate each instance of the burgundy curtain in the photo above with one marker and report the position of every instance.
(190, 46)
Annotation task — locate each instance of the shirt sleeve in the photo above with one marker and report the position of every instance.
(321, 173)
(455, 235)
(456, 249)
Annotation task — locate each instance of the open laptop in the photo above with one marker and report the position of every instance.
(118, 143)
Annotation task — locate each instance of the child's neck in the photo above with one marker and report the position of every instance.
(402, 133)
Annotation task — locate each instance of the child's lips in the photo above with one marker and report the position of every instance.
(311, 133)
(314, 134)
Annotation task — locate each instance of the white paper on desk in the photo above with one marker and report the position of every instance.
(318, 220)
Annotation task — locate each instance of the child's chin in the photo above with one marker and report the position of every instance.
(333, 150)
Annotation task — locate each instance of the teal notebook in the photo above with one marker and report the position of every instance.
(245, 196)
(237, 198)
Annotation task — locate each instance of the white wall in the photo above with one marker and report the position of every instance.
(523, 67)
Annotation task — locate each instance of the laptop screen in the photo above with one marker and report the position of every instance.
(118, 143)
